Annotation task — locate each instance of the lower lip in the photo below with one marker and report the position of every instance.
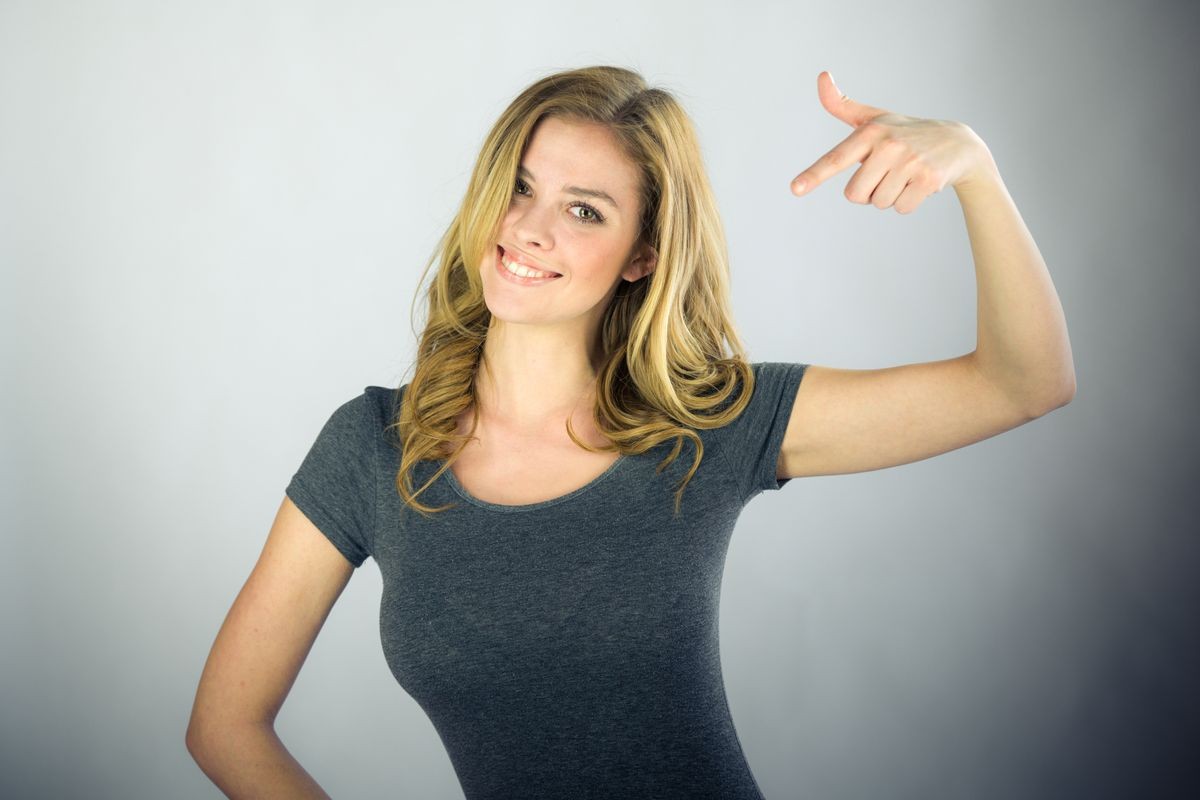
(517, 279)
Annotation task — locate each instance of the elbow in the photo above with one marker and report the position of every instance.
(1068, 393)
(194, 740)
(203, 739)
(210, 740)
(1063, 394)
(1036, 390)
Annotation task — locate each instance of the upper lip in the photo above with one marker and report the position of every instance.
(517, 257)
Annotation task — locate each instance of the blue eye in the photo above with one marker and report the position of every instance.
(594, 217)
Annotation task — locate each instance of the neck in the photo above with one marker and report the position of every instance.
(531, 379)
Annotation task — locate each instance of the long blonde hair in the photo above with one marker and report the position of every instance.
(662, 339)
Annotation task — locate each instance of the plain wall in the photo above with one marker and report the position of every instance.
(213, 217)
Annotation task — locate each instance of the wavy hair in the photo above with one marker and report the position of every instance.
(663, 338)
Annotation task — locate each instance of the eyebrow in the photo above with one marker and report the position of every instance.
(578, 190)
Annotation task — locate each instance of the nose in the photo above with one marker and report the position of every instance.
(531, 225)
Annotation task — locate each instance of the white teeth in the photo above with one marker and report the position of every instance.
(524, 272)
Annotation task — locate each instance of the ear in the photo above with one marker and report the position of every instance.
(641, 264)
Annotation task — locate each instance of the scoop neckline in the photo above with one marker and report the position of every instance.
(466, 495)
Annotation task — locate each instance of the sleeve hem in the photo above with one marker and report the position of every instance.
(328, 528)
(790, 386)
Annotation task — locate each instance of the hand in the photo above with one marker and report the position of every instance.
(904, 159)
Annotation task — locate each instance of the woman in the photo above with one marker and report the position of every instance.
(551, 559)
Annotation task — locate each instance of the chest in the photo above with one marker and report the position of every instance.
(475, 598)
(519, 473)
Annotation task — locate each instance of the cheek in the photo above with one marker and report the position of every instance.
(601, 265)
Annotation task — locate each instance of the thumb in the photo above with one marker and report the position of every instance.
(839, 105)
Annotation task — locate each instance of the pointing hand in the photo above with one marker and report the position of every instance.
(904, 159)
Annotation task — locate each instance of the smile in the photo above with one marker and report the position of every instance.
(531, 278)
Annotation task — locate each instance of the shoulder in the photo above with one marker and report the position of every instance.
(749, 442)
(771, 384)
(380, 408)
(775, 383)
(380, 401)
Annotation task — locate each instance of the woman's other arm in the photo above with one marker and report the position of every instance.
(846, 420)
(256, 657)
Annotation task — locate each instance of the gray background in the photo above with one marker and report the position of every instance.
(212, 221)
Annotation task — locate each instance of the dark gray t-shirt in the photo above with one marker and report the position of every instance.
(568, 648)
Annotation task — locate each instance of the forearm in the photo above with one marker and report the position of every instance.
(1022, 343)
(250, 761)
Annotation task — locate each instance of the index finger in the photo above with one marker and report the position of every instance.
(854, 149)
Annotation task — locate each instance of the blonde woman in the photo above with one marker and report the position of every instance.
(550, 498)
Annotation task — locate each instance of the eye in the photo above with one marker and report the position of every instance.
(592, 217)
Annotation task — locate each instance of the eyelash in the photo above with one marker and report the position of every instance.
(597, 216)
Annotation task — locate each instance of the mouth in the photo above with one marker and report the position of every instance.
(541, 276)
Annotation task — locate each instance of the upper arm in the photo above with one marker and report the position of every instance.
(854, 420)
(271, 627)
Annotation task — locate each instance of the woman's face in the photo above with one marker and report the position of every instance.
(575, 212)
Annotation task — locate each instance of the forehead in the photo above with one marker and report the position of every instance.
(562, 152)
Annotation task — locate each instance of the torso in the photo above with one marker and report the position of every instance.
(519, 471)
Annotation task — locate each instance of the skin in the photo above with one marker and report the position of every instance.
(539, 360)
(853, 420)
(904, 159)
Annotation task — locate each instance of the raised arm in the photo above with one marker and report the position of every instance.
(846, 420)
(256, 657)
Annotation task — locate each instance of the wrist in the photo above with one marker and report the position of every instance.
(983, 170)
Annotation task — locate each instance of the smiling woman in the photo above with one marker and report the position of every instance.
(549, 599)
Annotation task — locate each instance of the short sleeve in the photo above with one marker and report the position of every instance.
(335, 485)
(752, 442)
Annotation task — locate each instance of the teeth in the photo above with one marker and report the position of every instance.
(524, 272)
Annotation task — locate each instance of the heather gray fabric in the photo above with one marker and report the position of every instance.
(567, 648)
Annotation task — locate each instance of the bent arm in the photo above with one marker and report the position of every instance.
(256, 657)
(248, 760)
(846, 420)
(1022, 345)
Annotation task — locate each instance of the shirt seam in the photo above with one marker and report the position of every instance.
(736, 480)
